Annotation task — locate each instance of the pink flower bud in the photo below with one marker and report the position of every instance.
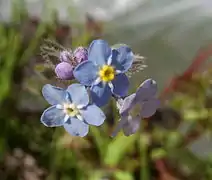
(81, 54)
(65, 56)
(64, 71)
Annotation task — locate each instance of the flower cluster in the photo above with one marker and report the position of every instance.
(101, 73)
(69, 60)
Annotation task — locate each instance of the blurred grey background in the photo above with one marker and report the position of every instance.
(168, 32)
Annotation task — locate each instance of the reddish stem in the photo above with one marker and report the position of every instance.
(160, 166)
(201, 57)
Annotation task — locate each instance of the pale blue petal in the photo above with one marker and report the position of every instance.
(75, 127)
(132, 125)
(129, 125)
(93, 115)
(53, 117)
(149, 107)
(146, 90)
(128, 103)
(100, 94)
(120, 85)
(99, 51)
(122, 58)
(120, 125)
(78, 94)
(54, 95)
(86, 73)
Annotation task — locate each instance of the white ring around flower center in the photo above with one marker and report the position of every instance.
(71, 110)
(109, 60)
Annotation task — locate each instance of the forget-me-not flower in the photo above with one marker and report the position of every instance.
(141, 104)
(104, 71)
(71, 109)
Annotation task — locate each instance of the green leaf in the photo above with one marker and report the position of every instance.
(96, 175)
(158, 153)
(120, 175)
(99, 141)
(118, 148)
(144, 142)
(173, 139)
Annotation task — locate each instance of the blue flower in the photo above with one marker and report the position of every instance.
(133, 108)
(70, 109)
(104, 71)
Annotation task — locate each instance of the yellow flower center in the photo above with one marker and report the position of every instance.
(71, 110)
(107, 73)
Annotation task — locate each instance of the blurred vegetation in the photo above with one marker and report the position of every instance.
(30, 151)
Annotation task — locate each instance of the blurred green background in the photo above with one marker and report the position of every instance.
(174, 37)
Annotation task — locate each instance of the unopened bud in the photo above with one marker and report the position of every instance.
(65, 56)
(81, 54)
(64, 71)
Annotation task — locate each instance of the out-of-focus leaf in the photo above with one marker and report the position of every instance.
(187, 162)
(120, 175)
(101, 142)
(96, 175)
(158, 153)
(118, 148)
(193, 115)
(143, 143)
(202, 147)
(173, 139)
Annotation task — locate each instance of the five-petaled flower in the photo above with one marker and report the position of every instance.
(141, 104)
(104, 71)
(71, 109)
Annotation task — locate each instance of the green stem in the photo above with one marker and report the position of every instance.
(99, 141)
(144, 160)
(144, 164)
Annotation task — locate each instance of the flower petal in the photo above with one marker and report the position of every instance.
(120, 85)
(132, 125)
(93, 115)
(128, 124)
(54, 95)
(122, 58)
(119, 126)
(128, 103)
(75, 127)
(99, 52)
(53, 117)
(149, 108)
(78, 94)
(100, 94)
(86, 73)
(146, 90)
